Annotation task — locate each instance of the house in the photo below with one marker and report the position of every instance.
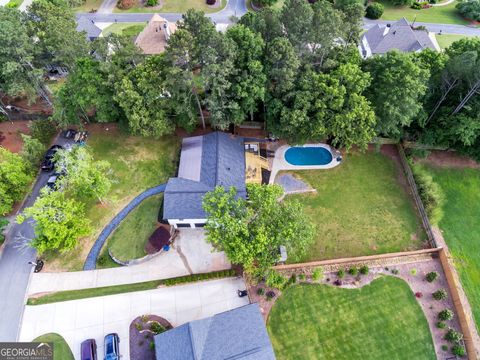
(92, 31)
(206, 162)
(154, 37)
(236, 334)
(400, 36)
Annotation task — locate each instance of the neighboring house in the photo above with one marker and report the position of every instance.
(92, 31)
(206, 162)
(399, 35)
(153, 39)
(236, 334)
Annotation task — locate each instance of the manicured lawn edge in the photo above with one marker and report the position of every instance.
(61, 350)
(120, 289)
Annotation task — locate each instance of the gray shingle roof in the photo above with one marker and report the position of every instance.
(236, 334)
(222, 163)
(92, 30)
(399, 36)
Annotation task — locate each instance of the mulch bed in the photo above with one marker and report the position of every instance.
(10, 132)
(140, 340)
(450, 159)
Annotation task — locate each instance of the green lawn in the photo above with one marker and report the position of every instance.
(437, 14)
(445, 40)
(360, 209)
(129, 29)
(88, 5)
(61, 350)
(138, 163)
(461, 227)
(379, 321)
(129, 239)
(175, 6)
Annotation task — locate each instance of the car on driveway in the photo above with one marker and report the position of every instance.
(51, 182)
(48, 163)
(111, 345)
(88, 350)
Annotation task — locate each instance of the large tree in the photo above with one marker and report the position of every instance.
(397, 88)
(59, 222)
(251, 232)
(297, 18)
(15, 175)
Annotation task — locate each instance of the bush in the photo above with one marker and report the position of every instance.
(441, 325)
(458, 350)
(374, 11)
(260, 3)
(431, 276)
(102, 260)
(413, 272)
(444, 347)
(394, 271)
(353, 271)
(126, 4)
(469, 9)
(260, 291)
(275, 280)
(317, 274)
(3, 225)
(270, 295)
(152, 2)
(364, 270)
(430, 193)
(157, 328)
(43, 130)
(152, 345)
(418, 294)
(301, 277)
(445, 315)
(341, 273)
(453, 336)
(33, 150)
(440, 294)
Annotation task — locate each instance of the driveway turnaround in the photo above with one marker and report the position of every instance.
(189, 254)
(78, 320)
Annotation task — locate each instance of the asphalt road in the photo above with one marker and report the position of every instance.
(15, 271)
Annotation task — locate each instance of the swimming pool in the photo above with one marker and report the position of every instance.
(308, 156)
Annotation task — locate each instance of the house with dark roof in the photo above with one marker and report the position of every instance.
(236, 334)
(88, 26)
(207, 161)
(400, 35)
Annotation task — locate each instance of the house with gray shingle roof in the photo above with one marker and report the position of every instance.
(205, 162)
(236, 334)
(400, 36)
(92, 31)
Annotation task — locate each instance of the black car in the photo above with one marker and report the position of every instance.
(112, 347)
(48, 164)
(51, 182)
(88, 350)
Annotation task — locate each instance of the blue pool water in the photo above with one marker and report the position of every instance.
(308, 156)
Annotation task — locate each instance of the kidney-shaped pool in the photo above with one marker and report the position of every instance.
(308, 155)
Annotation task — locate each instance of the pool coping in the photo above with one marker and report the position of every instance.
(280, 164)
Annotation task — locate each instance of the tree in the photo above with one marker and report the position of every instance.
(469, 9)
(297, 18)
(402, 2)
(15, 175)
(250, 232)
(397, 87)
(83, 177)
(265, 22)
(263, 3)
(32, 151)
(144, 99)
(53, 26)
(17, 74)
(59, 221)
(374, 10)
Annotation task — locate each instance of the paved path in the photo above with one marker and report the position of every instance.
(190, 253)
(78, 320)
(14, 268)
(436, 28)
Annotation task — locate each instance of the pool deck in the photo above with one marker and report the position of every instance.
(280, 164)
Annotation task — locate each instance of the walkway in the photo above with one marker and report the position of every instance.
(91, 261)
(78, 320)
(190, 253)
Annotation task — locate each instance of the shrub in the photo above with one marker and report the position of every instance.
(441, 325)
(43, 130)
(353, 271)
(156, 328)
(301, 277)
(394, 271)
(3, 225)
(418, 294)
(102, 260)
(364, 270)
(138, 326)
(125, 4)
(260, 291)
(440, 294)
(469, 9)
(445, 315)
(430, 193)
(270, 295)
(453, 336)
(374, 11)
(151, 3)
(431, 276)
(275, 280)
(413, 272)
(458, 350)
(152, 345)
(341, 273)
(262, 3)
(337, 282)
(317, 274)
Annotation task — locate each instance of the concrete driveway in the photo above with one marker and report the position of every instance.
(190, 254)
(78, 320)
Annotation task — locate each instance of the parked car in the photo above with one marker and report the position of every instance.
(88, 350)
(69, 133)
(111, 345)
(51, 182)
(48, 164)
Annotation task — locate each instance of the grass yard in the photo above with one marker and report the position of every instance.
(128, 29)
(360, 209)
(129, 239)
(174, 6)
(437, 14)
(461, 227)
(61, 350)
(379, 321)
(88, 5)
(445, 40)
(138, 163)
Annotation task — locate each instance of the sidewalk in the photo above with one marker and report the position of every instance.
(189, 254)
